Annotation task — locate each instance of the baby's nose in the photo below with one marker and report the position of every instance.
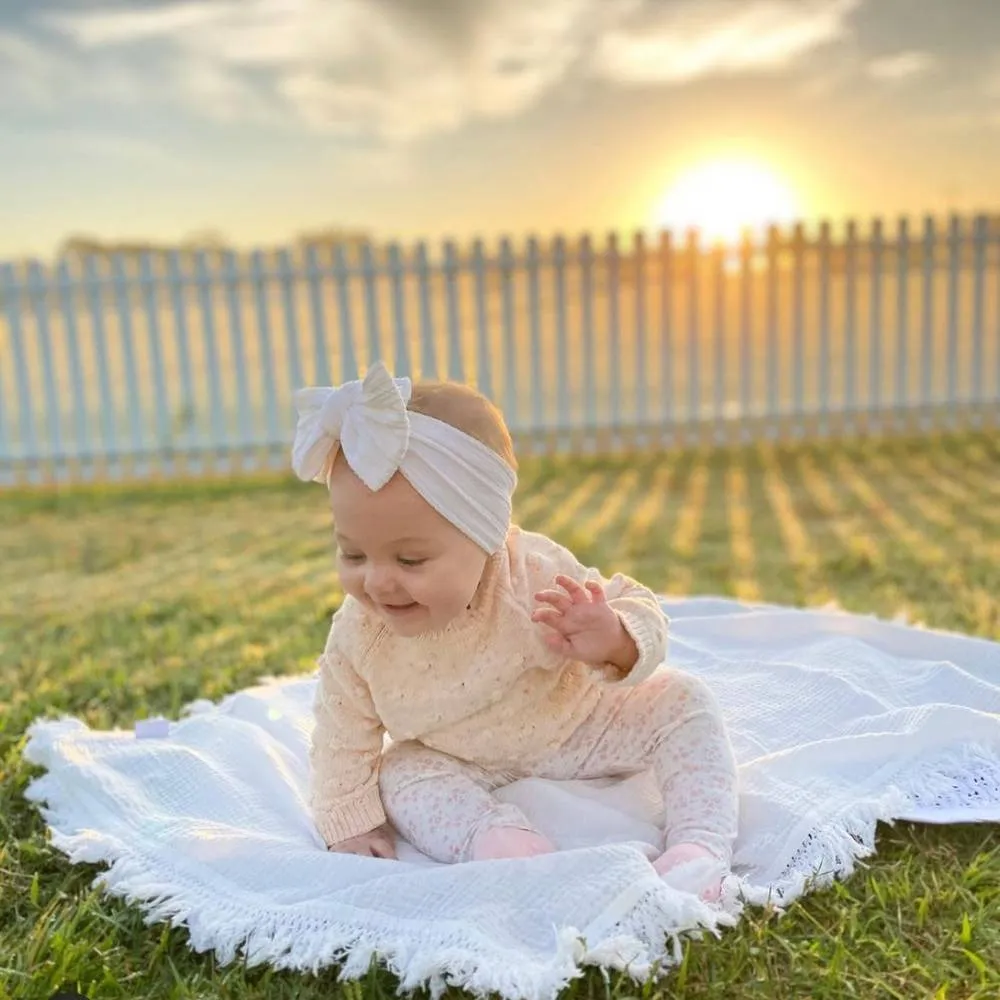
(380, 582)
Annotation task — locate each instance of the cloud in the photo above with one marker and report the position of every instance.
(93, 143)
(28, 72)
(354, 67)
(400, 69)
(699, 38)
(988, 80)
(899, 66)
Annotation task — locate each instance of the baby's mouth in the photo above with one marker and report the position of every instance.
(398, 609)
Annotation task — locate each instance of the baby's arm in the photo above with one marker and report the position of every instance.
(345, 750)
(643, 619)
(643, 623)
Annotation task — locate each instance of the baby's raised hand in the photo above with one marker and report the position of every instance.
(377, 843)
(584, 625)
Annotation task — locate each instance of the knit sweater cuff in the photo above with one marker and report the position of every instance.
(649, 638)
(352, 818)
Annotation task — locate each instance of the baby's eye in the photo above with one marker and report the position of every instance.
(352, 557)
(411, 563)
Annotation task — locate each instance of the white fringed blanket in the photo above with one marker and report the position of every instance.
(838, 721)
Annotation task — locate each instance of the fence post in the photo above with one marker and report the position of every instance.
(562, 348)
(694, 330)
(667, 278)
(10, 294)
(372, 325)
(456, 367)
(927, 340)
(64, 281)
(746, 336)
(535, 344)
(719, 341)
(641, 371)
(954, 265)
(290, 313)
(979, 233)
(258, 279)
(850, 324)
(205, 284)
(824, 329)
(587, 335)
(314, 282)
(902, 394)
(348, 357)
(164, 439)
(404, 366)
(127, 338)
(38, 288)
(614, 344)
(996, 356)
(508, 334)
(231, 278)
(798, 328)
(187, 413)
(109, 435)
(428, 353)
(484, 366)
(875, 330)
(7, 477)
(773, 350)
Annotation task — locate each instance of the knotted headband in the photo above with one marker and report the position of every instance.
(465, 481)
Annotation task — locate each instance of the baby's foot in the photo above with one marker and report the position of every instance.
(691, 867)
(509, 842)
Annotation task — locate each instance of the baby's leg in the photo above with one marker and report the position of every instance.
(444, 807)
(673, 723)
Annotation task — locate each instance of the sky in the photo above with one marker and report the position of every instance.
(259, 119)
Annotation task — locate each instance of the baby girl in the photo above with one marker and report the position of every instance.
(486, 653)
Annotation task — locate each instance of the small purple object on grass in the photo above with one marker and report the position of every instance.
(151, 729)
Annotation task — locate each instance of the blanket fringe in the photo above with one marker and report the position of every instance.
(430, 957)
(966, 778)
(631, 940)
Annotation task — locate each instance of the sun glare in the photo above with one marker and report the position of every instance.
(722, 199)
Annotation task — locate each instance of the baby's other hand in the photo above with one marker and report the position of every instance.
(377, 843)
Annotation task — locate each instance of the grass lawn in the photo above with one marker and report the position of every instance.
(115, 604)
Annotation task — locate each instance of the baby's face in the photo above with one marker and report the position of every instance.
(398, 556)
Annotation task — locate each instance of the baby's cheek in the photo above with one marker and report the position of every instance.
(352, 583)
(444, 602)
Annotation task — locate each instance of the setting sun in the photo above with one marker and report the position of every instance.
(723, 198)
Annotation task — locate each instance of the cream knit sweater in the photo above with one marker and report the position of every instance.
(486, 689)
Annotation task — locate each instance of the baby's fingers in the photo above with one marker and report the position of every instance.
(383, 847)
(558, 600)
(575, 591)
(549, 616)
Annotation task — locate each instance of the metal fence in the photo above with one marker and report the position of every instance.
(170, 364)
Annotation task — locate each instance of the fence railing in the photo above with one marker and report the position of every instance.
(185, 362)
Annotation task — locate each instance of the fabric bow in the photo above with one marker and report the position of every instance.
(366, 418)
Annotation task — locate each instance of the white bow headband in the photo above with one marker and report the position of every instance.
(465, 481)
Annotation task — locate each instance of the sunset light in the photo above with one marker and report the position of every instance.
(723, 198)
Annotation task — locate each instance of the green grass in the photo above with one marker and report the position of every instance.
(118, 603)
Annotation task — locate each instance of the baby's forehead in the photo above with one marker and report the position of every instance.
(387, 539)
(378, 535)
(347, 490)
(397, 510)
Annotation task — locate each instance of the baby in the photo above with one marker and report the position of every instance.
(485, 652)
